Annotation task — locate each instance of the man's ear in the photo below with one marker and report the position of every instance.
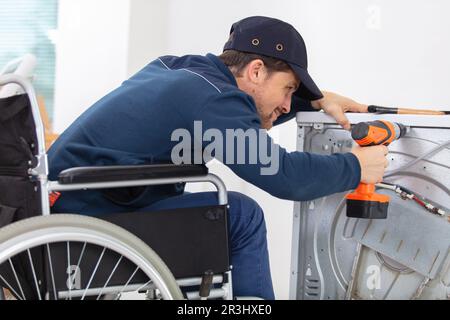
(256, 71)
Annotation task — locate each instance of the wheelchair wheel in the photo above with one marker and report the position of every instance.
(64, 256)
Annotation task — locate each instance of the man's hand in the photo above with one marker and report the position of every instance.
(373, 162)
(335, 105)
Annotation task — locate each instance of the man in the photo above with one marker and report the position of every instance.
(260, 80)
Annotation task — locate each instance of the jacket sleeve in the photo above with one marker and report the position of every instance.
(288, 175)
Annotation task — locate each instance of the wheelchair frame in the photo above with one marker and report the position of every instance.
(40, 173)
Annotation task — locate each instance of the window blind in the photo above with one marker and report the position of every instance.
(25, 27)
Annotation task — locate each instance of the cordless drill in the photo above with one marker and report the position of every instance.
(364, 202)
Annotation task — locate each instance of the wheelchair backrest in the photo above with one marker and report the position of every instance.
(19, 195)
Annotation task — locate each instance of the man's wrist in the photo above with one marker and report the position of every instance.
(316, 104)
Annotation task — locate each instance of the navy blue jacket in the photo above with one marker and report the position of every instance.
(133, 125)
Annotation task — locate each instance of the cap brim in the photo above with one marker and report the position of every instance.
(308, 89)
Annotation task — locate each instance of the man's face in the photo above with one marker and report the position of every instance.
(273, 96)
(272, 91)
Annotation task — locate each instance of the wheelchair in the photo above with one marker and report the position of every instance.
(171, 254)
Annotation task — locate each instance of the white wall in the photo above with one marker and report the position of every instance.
(91, 54)
(378, 51)
(148, 33)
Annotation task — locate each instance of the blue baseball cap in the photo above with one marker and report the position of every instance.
(277, 39)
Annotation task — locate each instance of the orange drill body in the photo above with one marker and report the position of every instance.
(382, 132)
(364, 202)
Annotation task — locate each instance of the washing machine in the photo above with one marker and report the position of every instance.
(407, 255)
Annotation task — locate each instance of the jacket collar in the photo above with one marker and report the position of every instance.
(222, 67)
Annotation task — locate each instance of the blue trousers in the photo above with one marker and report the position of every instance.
(248, 242)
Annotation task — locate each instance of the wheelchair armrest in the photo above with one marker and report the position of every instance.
(127, 173)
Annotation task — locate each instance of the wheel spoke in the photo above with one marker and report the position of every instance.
(9, 286)
(126, 284)
(51, 271)
(69, 271)
(110, 276)
(17, 278)
(93, 273)
(34, 274)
